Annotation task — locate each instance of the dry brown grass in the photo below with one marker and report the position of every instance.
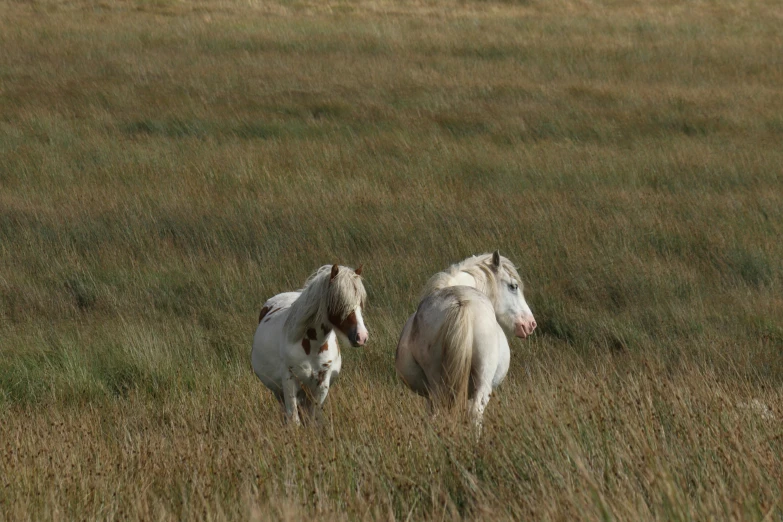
(167, 165)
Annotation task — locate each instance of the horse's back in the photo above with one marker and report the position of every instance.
(435, 309)
(266, 355)
(280, 302)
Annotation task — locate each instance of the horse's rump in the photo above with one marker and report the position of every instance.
(455, 339)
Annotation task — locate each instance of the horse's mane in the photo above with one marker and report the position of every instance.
(318, 298)
(480, 268)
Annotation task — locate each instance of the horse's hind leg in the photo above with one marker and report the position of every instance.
(308, 411)
(485, 365)
(408, 368)
(281, 402)
(290, 390)
(477, 405)
(317, 402)
(481, 392)
(412, 374)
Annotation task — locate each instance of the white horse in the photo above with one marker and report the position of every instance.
(295, 349)
(454, 350)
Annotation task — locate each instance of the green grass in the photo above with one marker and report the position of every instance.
(165, 167)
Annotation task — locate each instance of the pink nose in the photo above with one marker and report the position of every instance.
(361, 338)
(525, 327)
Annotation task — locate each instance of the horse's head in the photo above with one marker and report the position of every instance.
(512, 312)
(346, 303)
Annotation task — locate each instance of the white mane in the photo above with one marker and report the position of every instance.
(479, 267)
(319, 298)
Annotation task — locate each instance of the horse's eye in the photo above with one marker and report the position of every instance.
(513, 287)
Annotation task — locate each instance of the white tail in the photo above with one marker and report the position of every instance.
(456, 341)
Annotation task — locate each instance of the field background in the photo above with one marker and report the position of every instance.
(165, 166)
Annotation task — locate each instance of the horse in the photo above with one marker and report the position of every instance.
(295, 352)
(453, 349)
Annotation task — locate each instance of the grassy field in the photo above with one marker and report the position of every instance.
(167, 165)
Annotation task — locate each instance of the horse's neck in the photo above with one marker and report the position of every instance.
(315, 329)
(463, 279)
(304, 316)
(479, 283)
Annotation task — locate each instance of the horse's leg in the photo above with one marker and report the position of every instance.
(290, 389)
(482, 387)
(431, 409)
(485, 363)
(280, 401)
(307, 409)
(478, 404)
(318, 401)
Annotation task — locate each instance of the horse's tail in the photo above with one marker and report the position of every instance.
(456, 340)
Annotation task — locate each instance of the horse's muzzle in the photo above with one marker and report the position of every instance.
(358, 338)
(524, 327)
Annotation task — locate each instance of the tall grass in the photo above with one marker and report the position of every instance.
(166, 166)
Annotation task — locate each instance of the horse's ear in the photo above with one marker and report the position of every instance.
(358, 271)
(335, 269)
(496, 259)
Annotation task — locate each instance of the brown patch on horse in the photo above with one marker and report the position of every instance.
(271, 312)
(346, 324)
(335, 269)
(323, 348)
(358, 271)
(264, 310)
(306, 345)
(311, 334)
